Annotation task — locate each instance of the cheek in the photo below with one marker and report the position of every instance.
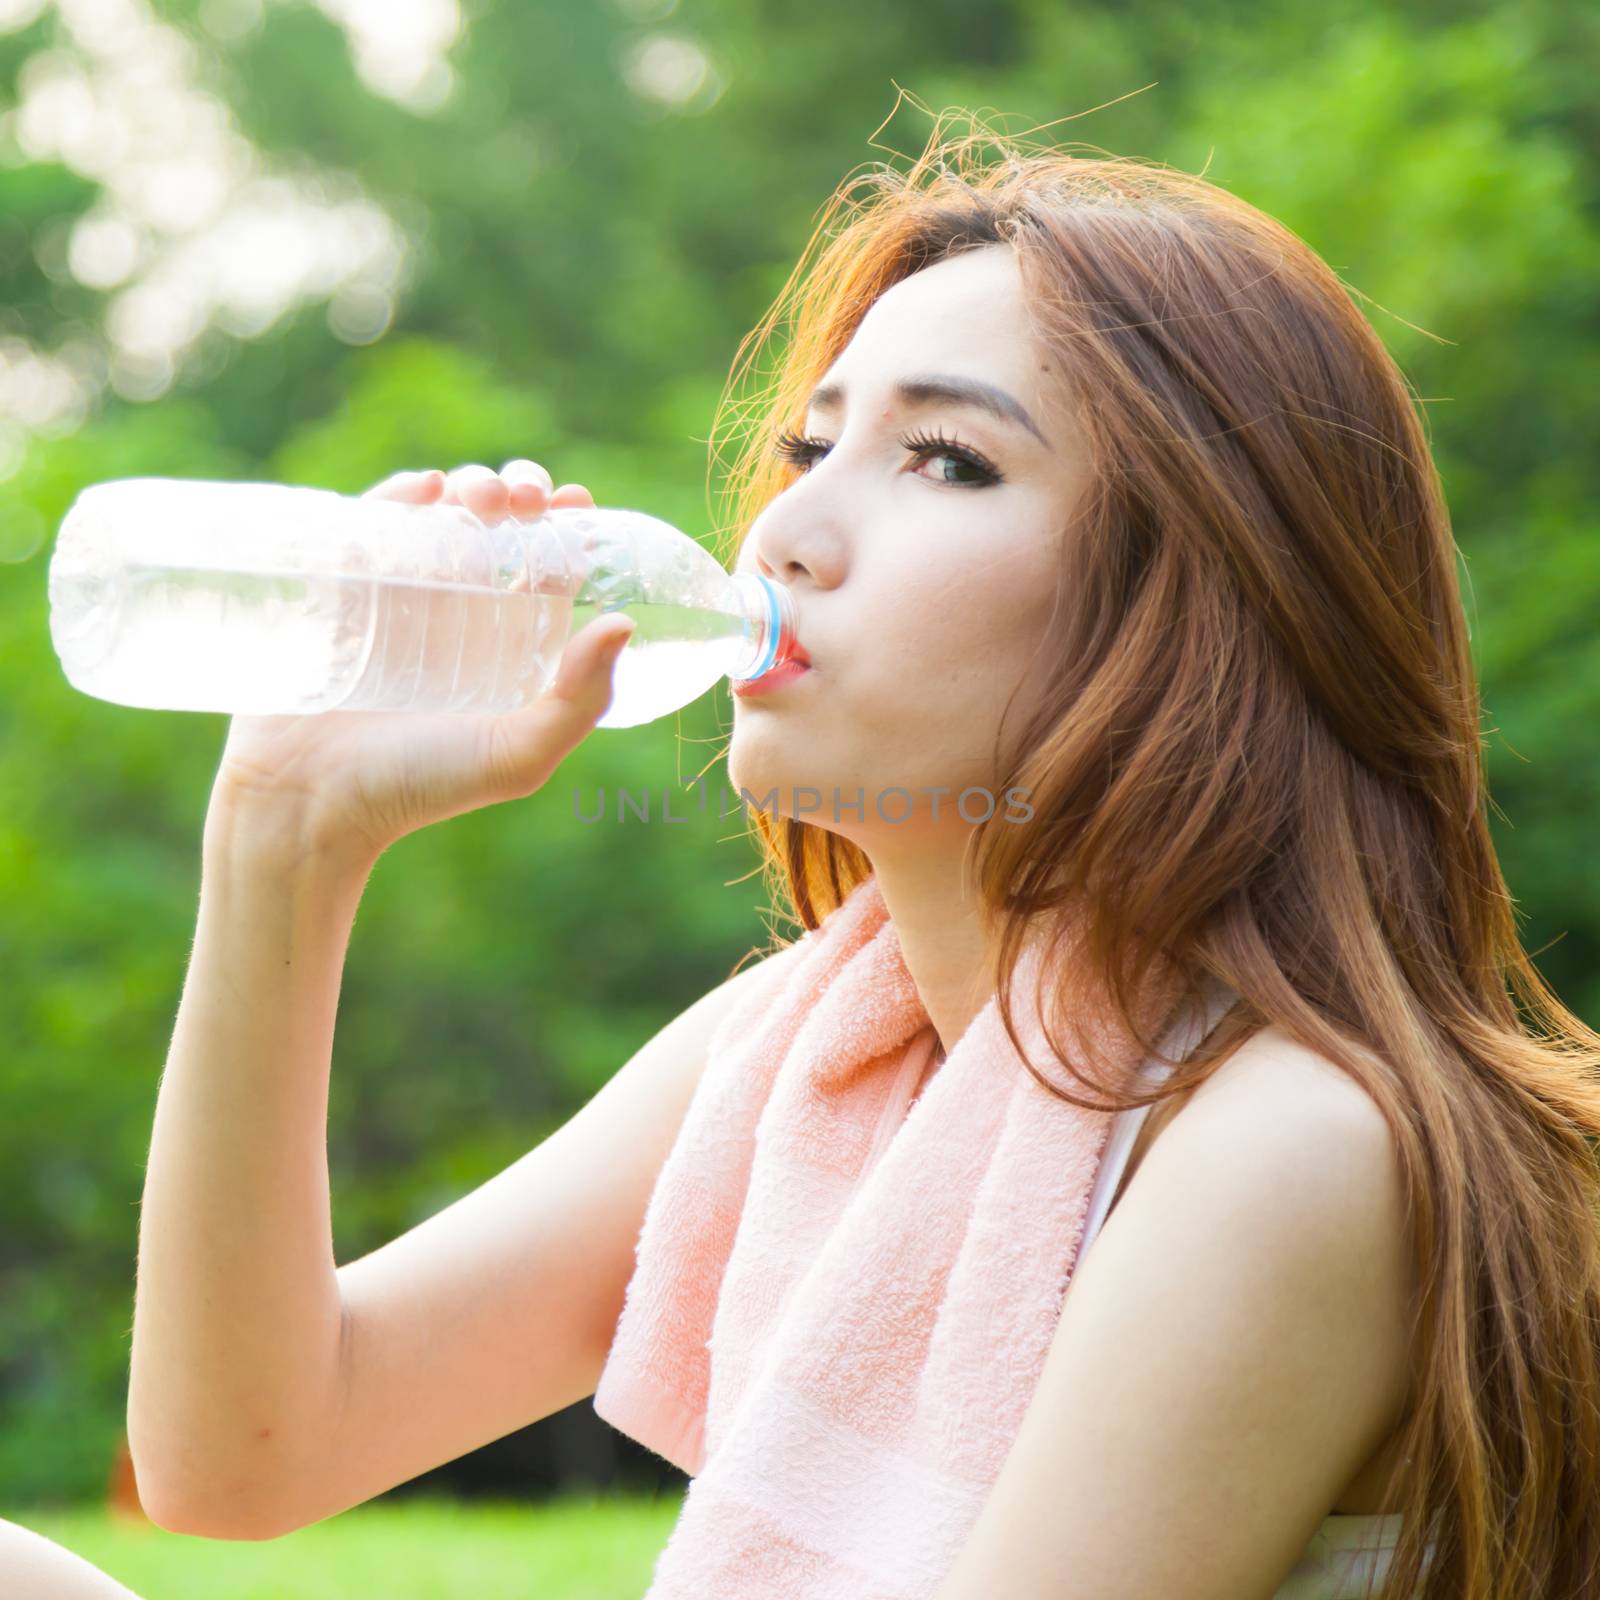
(979, 631)
(940, 691)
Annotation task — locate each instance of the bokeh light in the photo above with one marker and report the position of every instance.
(192, 229)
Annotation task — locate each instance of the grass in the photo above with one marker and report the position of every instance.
(416, 1549)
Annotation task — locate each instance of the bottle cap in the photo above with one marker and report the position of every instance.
(772, 620)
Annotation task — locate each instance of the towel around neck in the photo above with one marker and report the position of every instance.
(842, 1300)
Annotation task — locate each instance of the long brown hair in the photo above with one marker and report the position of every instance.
(1261, 760)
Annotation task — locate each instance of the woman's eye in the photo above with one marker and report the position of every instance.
(798, 450)
(802, 452)
(980, 476)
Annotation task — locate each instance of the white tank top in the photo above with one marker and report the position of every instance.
(1347, 1550)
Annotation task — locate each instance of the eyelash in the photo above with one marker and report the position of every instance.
(802, 452)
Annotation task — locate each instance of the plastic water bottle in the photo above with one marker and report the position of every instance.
(261, 598)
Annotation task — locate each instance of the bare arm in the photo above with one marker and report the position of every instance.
(270, 1389)
(237, 1312)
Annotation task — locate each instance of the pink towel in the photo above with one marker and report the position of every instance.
(839, 1311)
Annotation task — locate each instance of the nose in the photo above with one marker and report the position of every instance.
(795, 541)
(761, 554)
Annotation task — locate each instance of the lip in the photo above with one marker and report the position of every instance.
(774, 678)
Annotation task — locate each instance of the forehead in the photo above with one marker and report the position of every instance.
(964, 314)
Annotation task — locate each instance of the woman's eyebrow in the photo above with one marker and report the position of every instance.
(938, 388)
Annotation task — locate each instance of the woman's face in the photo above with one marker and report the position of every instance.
(923, 588)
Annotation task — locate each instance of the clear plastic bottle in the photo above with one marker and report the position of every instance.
(261, 598)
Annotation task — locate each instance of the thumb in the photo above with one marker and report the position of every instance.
(584, 675)
(528, 745)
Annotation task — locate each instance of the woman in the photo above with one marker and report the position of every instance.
(1089, 482)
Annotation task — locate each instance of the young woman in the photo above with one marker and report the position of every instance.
(1088, 480)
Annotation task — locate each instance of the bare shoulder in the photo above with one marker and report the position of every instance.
(1272, 1101)
(1274, 1088)
(1288, 1179)
(1287, 1142)
(1230, 1354)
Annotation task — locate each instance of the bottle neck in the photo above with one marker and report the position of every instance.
(769, 625)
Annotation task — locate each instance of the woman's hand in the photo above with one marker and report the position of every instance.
(359, 780)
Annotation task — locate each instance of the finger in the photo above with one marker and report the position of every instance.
(481, 491)
(414, 486)
(522, 470)
(528, 486)
(530, 744)
(528, 497)
(586, 664)
(571, 494)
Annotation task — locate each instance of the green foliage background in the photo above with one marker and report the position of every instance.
(586, 263)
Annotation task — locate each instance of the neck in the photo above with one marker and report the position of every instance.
(935, 914)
